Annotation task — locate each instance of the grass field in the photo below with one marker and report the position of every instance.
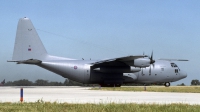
(182, 89)
(112, 107)
(41, 106)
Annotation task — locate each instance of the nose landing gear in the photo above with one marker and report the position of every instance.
(166, 84)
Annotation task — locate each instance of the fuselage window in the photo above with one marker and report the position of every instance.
(176, 70)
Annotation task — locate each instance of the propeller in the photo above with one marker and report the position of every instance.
(152, 61)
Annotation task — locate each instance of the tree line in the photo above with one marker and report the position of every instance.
(195, 82)
(41, 82)
(67, 82)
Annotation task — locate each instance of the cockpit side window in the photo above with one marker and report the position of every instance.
(173, 65)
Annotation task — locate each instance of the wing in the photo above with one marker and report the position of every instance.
(174, 59)
(121, 61)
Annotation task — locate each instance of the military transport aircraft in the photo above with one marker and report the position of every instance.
(2, 83)
(29, 49)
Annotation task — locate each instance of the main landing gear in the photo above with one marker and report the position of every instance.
(167, 84)
(110, 85)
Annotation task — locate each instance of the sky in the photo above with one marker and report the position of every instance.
(100, 29)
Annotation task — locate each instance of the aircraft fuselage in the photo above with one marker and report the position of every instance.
(79, 71)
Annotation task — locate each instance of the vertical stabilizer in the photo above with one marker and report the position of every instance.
(3, 82)
(27, 42)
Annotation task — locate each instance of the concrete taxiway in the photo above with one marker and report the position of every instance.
(84, 95)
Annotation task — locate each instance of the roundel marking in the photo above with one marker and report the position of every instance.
(75, 67)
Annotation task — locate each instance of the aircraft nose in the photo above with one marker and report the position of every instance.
(183, 74)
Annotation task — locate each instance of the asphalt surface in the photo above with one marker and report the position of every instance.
(84, 95)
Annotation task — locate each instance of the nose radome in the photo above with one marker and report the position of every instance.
(183, 74)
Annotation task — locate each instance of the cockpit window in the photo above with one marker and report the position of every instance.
(173, 65)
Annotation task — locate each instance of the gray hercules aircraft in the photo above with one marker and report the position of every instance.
(29, 49)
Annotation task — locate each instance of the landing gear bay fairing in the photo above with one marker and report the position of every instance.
(29, 49)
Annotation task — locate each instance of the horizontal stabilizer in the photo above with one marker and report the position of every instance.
(30, 61)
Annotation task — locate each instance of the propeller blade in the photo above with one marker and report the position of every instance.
(142, 71)
(152, 55)
(143, 53)
(151, 58)
(150, 70)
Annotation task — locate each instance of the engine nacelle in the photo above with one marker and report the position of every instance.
(134, 69)
(129, 77)
(140, 62)
(117, 69)
(113, 69)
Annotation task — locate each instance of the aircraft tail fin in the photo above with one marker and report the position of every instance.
(3, 82)
(27, 42)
